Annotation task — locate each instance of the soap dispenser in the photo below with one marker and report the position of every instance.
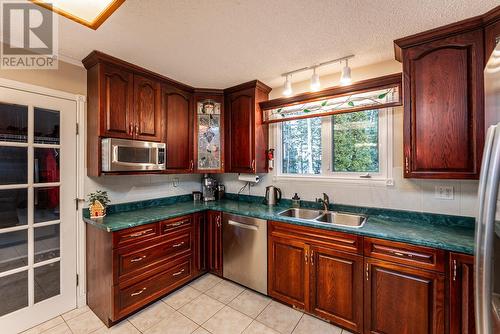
(295, 201)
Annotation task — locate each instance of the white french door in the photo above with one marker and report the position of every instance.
(37, 210)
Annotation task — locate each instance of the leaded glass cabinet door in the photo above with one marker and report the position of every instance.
(37, 210)
(209, 136)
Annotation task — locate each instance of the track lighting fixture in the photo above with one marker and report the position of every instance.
(345, 78)
(315, 84)
(287, 87)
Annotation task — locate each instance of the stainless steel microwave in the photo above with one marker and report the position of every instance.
(121, 155)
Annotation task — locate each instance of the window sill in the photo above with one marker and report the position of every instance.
(381, 182)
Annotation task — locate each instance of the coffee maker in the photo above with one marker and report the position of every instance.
(209, 186)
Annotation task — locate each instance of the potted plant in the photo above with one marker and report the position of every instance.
(98, 201)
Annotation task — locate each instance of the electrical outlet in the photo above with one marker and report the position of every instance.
(444, 192)
(175, 182)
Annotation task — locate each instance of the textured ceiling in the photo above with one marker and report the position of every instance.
(219, 43)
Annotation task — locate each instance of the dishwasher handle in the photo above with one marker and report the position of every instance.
(245, 226)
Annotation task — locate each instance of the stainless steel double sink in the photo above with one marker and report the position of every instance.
(328, 217)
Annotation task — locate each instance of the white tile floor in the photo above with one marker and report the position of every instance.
(207, 305)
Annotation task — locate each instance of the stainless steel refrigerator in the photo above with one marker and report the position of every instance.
(487, 265)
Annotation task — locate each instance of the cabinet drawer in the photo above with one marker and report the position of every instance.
(130, 260)
(135, 234)
(177, 224)
(130, 298)
(416, 256)
(315, 236)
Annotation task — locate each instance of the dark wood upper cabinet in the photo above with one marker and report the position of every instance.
(209, 136)
(178, 127)
(462, 319)
(117, 91)
(400, 299)
(337, 287)
(443, 106)
(246, 136)
(147, 99)
(491, 32)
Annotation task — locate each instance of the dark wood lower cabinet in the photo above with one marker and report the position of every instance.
(400, 299)
(337, 287)
(288, 271)
(128, 269)
(214, 242)
(461, 292)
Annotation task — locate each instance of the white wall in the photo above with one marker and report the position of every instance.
(406, 194)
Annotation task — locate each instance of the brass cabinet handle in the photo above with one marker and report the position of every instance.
(176, 224)
(138, 259)
(407, 164)
(130, 131)
(137, 292)
(136, 129)
(253, 164)
(402, 254)
(191, 165)
(454, 270)
(312, 258)
(178, 245)
(178, 273)
(217, 220)
(305, 257)
(367, 272)
(141, 233)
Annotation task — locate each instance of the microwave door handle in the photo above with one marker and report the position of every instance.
(114, 158)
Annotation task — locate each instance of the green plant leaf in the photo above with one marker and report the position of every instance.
(350, 103)
(381, 96)
(306, 110)
(324, 103)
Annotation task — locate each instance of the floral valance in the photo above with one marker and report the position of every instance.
(376, 97)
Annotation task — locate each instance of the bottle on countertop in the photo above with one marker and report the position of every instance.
(295, 201)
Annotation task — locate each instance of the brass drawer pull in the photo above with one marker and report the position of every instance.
(402, 254)
(141, 233)
(178, 245)
(133, 294)
(178, 273)
(175, 224)
(137, 259)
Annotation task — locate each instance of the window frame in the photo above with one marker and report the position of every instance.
(384, 177)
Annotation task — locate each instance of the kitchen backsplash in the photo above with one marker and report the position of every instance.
(406, 194)
(129, 188)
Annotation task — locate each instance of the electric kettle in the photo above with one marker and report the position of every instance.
(273, 195)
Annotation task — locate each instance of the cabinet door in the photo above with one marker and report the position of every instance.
(209, 133)
(117, 91)
(199, 237)
(461, 294)
(241, 130)
(178, 126)
(337, 287)
(288, 271)
(444, 107)
(214, 244)
(402, 299)
(147, 99)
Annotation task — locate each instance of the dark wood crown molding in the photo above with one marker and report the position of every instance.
(455, 28)
(97, 56)
(208, 91)
(249, 84)
(358, 87)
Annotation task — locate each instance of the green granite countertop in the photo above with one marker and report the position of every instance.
(452, 233)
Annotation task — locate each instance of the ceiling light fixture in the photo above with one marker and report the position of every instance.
(90, 13)
(287, 87)
(345, 76)
(315, 82)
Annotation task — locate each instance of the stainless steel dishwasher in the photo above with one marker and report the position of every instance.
(245, 251)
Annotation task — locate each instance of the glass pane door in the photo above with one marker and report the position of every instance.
(37, 212)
